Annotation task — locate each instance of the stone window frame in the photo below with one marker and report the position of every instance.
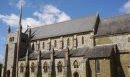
(97, 67)
(68, 42)
(83, 40)
(45, 67)
(62, 44)
(128, 39)
(43, 45)
(75, 42)
(11, 39)
(33, 47)
(21, 68)
(32, 67)
(55, 43)
(59, 67)
(48, 44)
(128, 70)
(76, 64)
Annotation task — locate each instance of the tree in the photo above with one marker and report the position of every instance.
(0, 69)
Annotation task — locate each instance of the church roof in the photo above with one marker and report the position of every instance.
(84, 24)
(114, 25)
(107, 26)
(100, 51)
(96, 52)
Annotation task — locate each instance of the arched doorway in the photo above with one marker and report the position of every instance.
(8, 73)
(76, 74)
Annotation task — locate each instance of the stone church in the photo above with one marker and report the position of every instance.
(86, 47)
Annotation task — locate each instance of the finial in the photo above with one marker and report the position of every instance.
(29, 30)
(20, 20)
(97, 14)
(9, 29)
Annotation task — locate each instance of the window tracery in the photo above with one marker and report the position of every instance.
(76, 64)
(45, 67)
(59, 66)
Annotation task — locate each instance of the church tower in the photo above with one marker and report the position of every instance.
(16, 44)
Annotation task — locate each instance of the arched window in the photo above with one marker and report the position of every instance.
(33, 67)
(55, 43)
(11, 39)
(21, 68)
(97, 66)
(75, 42)
(82, 40)
(43, 45)
(68, 42)
(45, 67)
(33, 48)
(76, 65)
(59, 66)
(62, 44)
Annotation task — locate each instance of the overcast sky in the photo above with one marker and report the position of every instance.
(42, 12)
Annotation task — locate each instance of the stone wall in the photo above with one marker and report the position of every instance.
(105, 69)
(123, 43)
(24, 64)
(62, 41)
(125, 62)
(121, 40)
(81, 70)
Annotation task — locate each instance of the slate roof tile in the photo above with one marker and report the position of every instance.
(114, 25)
(84, 24)
(96, 52)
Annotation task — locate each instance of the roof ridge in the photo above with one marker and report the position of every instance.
(65, 21)
(115, 16)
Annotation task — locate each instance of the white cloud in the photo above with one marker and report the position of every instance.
(11, 19)
(31, 22)
(126, 7)
(21, 3)
(49, 15)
